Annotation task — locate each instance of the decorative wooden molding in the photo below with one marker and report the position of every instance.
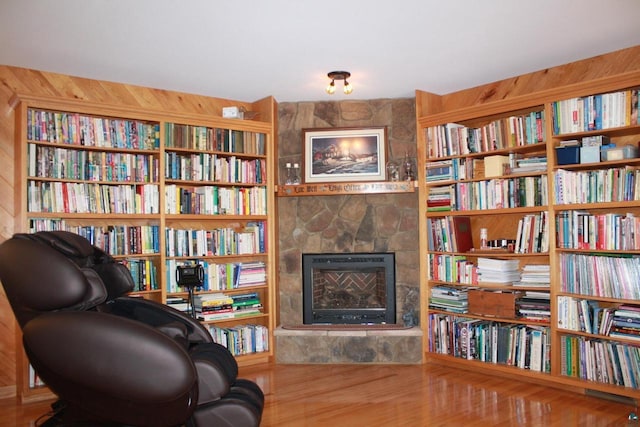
(338, 188)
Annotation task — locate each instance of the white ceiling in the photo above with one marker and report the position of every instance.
(249, 49)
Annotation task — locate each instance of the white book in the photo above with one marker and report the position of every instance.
(535, 352)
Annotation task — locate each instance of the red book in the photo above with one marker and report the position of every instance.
(462, 233)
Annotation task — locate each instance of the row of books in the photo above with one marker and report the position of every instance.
(82, 197)
(449, 234)
(521, 346)
(213, 167)
(579, 229)
(598, 360)
(594, 112)
(532, 235)
(121, 239)
(499, 193)
(61, 163)
(214, 139)
(596, 275)
(579, 314)
(461, 168)
(452, 268)
(220, 276)
(144, 274)
(112, 239)
(79, 129)
(458, 269)
(453, 139)
(597, 186)
(243, 339)
(584, 315)
(220, 306)
(215, 200)
(251, 239)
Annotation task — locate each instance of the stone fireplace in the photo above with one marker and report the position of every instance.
(347, 224)
(351, 288)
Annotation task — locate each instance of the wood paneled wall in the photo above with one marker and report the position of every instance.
(23, 81)
(595, 68)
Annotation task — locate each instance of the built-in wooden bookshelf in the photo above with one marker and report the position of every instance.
(157, 189)
(502, 167)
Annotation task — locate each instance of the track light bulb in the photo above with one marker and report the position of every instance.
(347, 87)
(331, 88)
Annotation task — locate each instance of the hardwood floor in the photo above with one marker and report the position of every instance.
(392, 395)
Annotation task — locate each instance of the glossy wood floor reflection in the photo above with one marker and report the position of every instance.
(391, 395)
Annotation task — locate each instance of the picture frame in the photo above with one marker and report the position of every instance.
(344, 154)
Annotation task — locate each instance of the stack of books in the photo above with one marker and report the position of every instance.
(529, 164)
(534, 306)
(503, 271)
(246, 304)
(440, 170)
(449, 298)
(535, 276)
(251, 274)
(215, 306)
(441, 198)
(626, 322)
(179, 303)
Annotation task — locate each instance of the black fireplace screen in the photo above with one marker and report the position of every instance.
(349, 288)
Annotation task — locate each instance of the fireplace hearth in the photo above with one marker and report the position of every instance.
(349, 288)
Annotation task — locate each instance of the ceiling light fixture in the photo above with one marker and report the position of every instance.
(339, 75)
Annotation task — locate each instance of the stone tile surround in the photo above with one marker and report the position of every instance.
(348, 346)
(347, 223)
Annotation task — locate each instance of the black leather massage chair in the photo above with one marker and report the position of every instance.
(111, 359)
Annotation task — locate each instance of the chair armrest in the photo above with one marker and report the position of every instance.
(158, 315)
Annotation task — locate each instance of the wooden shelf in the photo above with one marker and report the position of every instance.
(29, 140)
(504, 222)
(345, 188)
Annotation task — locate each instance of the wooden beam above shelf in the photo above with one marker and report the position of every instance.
(342, 188)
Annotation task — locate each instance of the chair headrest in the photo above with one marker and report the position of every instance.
(115, 277)
(58, 271)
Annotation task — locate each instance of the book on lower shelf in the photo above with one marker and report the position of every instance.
(520, 346)
(34, 379)
(607, 362)
(242, 339)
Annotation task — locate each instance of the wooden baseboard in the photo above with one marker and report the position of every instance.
(7, 392)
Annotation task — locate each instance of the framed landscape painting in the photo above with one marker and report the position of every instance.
(344, 154)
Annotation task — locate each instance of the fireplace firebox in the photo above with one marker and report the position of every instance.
(349, 288)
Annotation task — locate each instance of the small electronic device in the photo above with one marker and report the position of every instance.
(232, 112)
(190, 276)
